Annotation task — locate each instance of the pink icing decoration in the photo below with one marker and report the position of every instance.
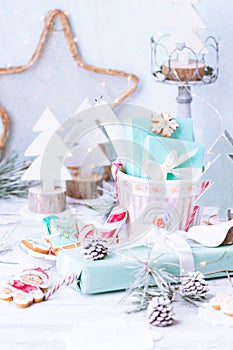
(108, 234)
(38, 269)
(89, 234)
(26, 288)
(116, 217)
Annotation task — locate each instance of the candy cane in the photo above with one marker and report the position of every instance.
(191, 218)
(69, 279)
(195, 209)
(118, 166)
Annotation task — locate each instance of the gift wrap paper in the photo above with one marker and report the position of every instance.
(137, 129)
(159, 149)
(119, 269)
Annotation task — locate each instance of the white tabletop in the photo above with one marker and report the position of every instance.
(69, 320)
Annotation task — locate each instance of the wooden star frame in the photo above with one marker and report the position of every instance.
(71, 43)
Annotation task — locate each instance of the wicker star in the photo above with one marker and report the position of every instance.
(163, 124)
(72, 45)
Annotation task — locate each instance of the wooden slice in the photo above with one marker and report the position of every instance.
(189, 72)
(51, 202)
(84, 188)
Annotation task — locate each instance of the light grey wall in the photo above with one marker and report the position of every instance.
(111, 34)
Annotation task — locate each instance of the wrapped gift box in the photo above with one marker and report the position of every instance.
(158, 150)
(137, 129)
(118, 270)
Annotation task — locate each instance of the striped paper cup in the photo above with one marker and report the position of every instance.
(169, 202)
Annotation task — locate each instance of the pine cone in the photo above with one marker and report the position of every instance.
(159, 312)
(194, 284)
(94, 250)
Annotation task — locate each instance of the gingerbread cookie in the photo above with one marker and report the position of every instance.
(62, 233)
(220, 300)
(6, 293)
(38, 246)
(22, 294)
(35, 277)
(22, 300)
(227, 308)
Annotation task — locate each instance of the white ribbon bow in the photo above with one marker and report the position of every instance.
(158, 171)
(175, 242)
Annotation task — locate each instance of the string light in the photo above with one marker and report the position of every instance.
(62, 16)
(210, 106)
(204, 263)
(75, 40)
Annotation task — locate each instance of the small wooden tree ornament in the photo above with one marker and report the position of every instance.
(86, 153)
(47, 167)
(219, 193)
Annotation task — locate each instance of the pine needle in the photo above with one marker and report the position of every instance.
(11, 171)
(150, 281)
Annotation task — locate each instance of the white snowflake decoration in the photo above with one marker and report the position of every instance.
(163, 124)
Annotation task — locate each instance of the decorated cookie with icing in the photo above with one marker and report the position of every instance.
(6, 293)
(58, 243)
(35, 277)
(110, 229)
(22, 294)
(22, 300)
(38, 246)
(227, 308)
(62, 233)
(221, 299)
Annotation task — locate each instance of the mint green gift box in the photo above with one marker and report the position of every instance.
(158, 150)
(119, 269)
(138, 128)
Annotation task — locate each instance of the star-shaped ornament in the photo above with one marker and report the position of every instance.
(71, 42)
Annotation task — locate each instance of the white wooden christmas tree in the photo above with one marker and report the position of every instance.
(219, 192)
(184, 24)
(47, 167)
(84, 135)
(86, 154)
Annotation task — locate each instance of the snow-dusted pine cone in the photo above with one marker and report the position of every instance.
(94, 250)
(160, 312)
(194, 284)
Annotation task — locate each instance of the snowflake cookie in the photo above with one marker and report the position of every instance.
(163, 124)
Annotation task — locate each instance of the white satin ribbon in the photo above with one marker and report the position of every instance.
(158, 171)
(175, 242)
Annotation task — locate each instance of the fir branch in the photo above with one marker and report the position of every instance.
(107, 200)
(11, 171)
(151, 281)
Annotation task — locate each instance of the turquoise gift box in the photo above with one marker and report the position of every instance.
(139, 128)
(119, 269)
(158, 149)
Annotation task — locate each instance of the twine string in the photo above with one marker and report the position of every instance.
(5, 125)
(71, 43)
